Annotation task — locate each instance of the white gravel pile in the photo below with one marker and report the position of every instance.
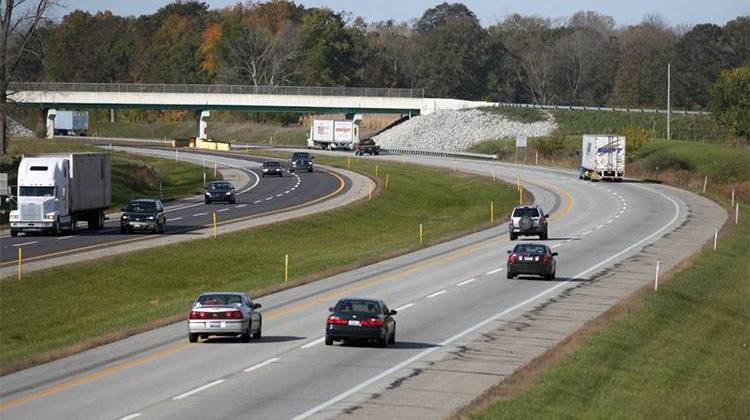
(456, 131)
(16, 129)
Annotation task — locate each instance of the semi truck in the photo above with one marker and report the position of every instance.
(334, 134)
(72, 123)
(56, 191)
(602, 157)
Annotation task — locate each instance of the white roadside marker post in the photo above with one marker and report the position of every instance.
(705, 184)
(732, 197)
(737, 213)
(656, 280)
(716, 237)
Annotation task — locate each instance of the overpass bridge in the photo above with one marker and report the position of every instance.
(201, 99)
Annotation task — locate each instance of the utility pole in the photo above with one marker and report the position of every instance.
(669, 92)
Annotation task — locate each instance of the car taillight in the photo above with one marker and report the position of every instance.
(512, 258)
(545, 258)
(234, 315)
(197, 315)
(333, 319)
(372, 322)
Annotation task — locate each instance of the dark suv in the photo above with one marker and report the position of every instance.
(301, 161)
(535, 259)
(143, 214)
(219, 191)
(527, 221)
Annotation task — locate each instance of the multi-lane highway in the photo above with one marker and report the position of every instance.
(446, 295)
(255, 196)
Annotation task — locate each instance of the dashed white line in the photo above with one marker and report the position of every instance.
(240, 206)
(618, 216)
(269, 198)
(436, 294)
(313, 343)
(609, 221)
(286, 192)
(408, 305)
(491, 272)
(600, 226)
(222, 210)
(586, 233)
(556, 245)
(279, 195)
(199, 389)
(257, 202)
(26, 243)
(174, 218)
(465, 282)
(66, 237)
(200, 214)
(130, 417)
(260, 365)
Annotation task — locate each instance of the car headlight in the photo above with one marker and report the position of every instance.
(207, 193)
(124, 217)
(228, 193)
(265, 169)
(150, 218)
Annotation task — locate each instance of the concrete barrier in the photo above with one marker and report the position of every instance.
(212, 145)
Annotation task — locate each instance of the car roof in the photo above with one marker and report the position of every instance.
(221, 293)
(530, 244)
(366, 299)
(271, 161)
(144, 200)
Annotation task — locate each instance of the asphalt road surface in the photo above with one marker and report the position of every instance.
(442, 293)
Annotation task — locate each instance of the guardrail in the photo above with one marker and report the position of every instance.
(439, 153)
(600, 108)
(220, 89)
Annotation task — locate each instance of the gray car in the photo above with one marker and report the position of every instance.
(528, 221)
(224, 314)
(143, 214)
(301, 161)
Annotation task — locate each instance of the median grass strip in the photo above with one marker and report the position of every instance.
(684, 352)
(118, 295)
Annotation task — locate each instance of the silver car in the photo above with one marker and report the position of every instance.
(528, 221)
(224, 314)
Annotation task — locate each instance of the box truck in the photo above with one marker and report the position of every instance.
(334, 134)
(602, 157)
(56, 191)
(71, 123)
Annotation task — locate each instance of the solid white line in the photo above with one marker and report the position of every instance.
(465, 282)
(26, 243)
(199, 214)
(586, 233)
(174, 218)
(436, 294)
(313, 343)
(222, 210)
(240, 206)
(66, 237)
(491, 272)
(199, 389)
(130, 417)
(408, 305)
(481, 324)
(260, 365)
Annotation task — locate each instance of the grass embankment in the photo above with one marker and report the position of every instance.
(110, 297)
(132, 176)
(683, 352)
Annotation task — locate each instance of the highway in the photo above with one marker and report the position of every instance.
(447, 295)
(258, 195)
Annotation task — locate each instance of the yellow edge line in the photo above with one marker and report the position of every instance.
(274, 314)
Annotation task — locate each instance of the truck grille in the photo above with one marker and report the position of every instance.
(32, 211)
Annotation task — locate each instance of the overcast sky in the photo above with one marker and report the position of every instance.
(676, 12)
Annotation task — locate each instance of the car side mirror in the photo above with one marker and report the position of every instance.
(510, 252)
(257, 306)
(554, 254)
(546, 216)
(330, 309)
(122, 210)
(393, 312)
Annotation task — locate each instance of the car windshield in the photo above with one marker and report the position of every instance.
(530, 249)
(36, 191)
(296, 156)
(141, 207)
(209, 300)
(219, 186)
(526, 212)
(271, 164)
(358, 306)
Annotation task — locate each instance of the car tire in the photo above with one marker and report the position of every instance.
(309, 170)
(123, 231)
(511, 275)
(513, 236)
(543, 236)
(259, 334)
(329, 340)
(207, 202)
(245, 337)
(392, 339)
(551, 276)
(192, 337)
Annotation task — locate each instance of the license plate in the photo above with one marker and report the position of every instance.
(528, 258)
(354, 323)
(215, 325)
(138, 225)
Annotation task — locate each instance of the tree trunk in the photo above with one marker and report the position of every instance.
(3, 130)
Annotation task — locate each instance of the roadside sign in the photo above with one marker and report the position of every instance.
(4, 185)
(521, 141)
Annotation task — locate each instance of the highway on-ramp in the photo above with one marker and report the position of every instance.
(446, 295)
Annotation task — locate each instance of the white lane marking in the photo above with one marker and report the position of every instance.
(313, 343)
(257, 202)
(436, 294)
(279, 195)
(556, 245)
(600, 226)
(292, 189)
(286, 192)
(617, 217)
(408, 305)
(199, 389)
(66, 237)
(174, 218)
(481, 324)
(200, 214)
(465, 282)
(491, 272)
(260, 365)
(130, 417)
(609, 221)
(269, 198)
(26, 243)
(586, 233)
(240, 206)
(222, 210)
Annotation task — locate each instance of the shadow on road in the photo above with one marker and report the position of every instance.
(265, 339)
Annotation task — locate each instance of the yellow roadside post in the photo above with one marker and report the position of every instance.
(286, 268)
(421, 234)
(520, 195)
(493, 174)
(348, 162)
(20, 259)
(492, 211)
(214, 224)
(386, 179)
(376, 171)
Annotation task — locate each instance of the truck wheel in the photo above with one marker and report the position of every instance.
(56, 227)
(13, 233)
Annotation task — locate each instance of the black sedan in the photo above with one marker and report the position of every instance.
(143, 214)
(361, 319)
(271, 167)
(535, 259)
(219, 191)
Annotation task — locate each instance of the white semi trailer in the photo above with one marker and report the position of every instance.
(602, 157)
(334, 134)
(72, 123)
(56, 191)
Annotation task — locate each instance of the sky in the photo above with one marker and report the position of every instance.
(675, 12)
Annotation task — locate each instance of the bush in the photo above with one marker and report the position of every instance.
(635, 138)
(551, 146)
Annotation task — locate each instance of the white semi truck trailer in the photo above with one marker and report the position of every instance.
(72, 123)
(334, 134)
(56, 191)
(602, 157)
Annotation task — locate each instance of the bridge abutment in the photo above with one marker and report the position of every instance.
(202, 117)
(51, 113)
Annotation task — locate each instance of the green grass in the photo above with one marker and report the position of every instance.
(685, 353)
(722, 164)
(524, 115)
(90, 300)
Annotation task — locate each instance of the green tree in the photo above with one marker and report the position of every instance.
(328, 50)
(730, 100)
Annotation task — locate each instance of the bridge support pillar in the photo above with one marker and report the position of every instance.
(202, 124)
(51, 113)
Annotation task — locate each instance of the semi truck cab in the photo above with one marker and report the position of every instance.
(42, 196)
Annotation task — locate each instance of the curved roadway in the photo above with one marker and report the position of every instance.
(445, 294)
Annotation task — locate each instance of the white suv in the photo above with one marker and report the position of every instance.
(527, 221)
